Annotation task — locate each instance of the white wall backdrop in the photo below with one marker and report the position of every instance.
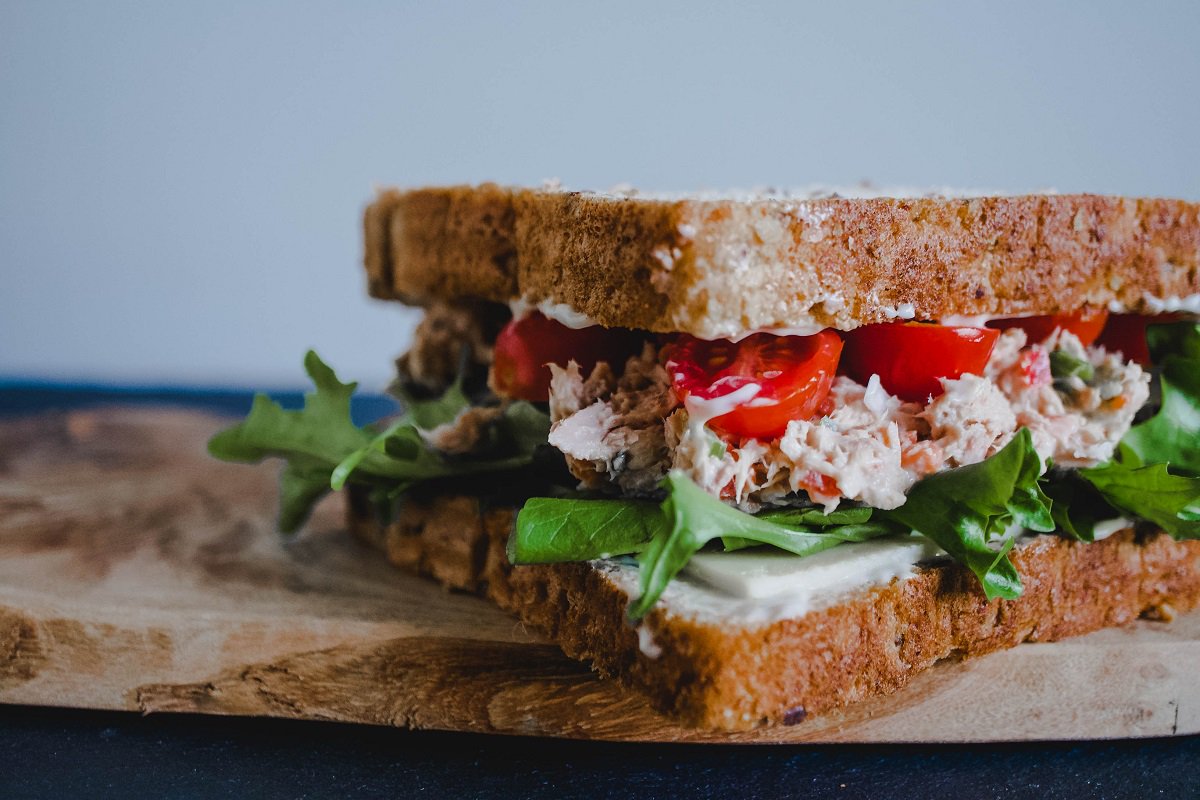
(180, 186)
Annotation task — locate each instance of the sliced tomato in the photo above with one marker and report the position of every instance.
(1126, 334)
(526, 346)
(1086, 325)
(792, 376)
(911, 357)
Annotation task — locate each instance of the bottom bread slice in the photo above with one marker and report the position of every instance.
(736, 676)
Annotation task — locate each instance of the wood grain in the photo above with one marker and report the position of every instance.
(136, 573)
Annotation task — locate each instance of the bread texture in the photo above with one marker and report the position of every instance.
(721, 266)
(871, 642)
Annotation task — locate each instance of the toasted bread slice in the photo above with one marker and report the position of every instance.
(722, 266)
(871, 641)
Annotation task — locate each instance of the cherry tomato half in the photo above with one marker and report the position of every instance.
(1086, 325)
(910, 357)
(793, 374)
(526, 346)
(1126, 334)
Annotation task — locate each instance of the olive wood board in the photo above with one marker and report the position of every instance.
(137, 573)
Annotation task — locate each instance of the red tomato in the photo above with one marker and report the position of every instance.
(1086, 325)
(526, 346)
(793, 374)
(1035, 367)
(910, 357)
(1126, 334)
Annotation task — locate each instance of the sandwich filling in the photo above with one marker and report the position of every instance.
(656, 447)
(867, 445)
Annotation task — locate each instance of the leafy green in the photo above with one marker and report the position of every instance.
(1156, 473)
(551, 530)
(850, 515)
(696, 518)
(1180, 339)
(320, 433)
(428, 414)
(969, 511)
(313, 440)
(325, 450)
(1076, 505)
(1150, 492)
(666, 536)
(1172, 436)
(299, 491)
(852, 524)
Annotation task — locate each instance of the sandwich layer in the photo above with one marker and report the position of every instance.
(719, 267)
(737, 676)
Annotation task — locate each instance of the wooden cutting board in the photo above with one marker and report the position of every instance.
(136, 573)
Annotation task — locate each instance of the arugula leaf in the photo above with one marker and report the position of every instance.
(1076, 505)
(695, 518)
(428, 414)
(852, 524)
(1172, 436)
(312, 440)
(299, 492)
(1155, 474)
(968, 512)
(551, 530)
(319, 434)
(1180, 339)
(1150, 492)
(325, 450)
(852, 515)
(666, 536)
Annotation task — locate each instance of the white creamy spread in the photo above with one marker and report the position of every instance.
(1160, 305)
(1107, 527)
(761, 585)
(763, 572)
(572, 318)
(757, 587)
(646, 643)
(559, 312)
(701, 410)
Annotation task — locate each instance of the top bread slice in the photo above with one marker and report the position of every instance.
(721, 266)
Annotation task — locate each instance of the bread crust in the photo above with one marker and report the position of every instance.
(873, 642)
(721, 267)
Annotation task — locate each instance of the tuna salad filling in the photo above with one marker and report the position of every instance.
(626, 432)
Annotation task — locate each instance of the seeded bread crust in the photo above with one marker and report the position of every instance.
(871, 643)
(721, 267)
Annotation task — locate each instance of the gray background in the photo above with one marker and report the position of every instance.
(180, 186)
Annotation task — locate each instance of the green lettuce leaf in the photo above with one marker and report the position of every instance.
(325, 450)
(696, 518)
(1172, 436)
(1155, 474)
(969, 511)
(1150, 492)
(851, 524)
(319, 434)
(666, 536)
(1076, 505)
(551, 530)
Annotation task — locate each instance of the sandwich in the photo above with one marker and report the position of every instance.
(763, 455)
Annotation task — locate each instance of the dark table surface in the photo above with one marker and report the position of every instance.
(70, 753)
